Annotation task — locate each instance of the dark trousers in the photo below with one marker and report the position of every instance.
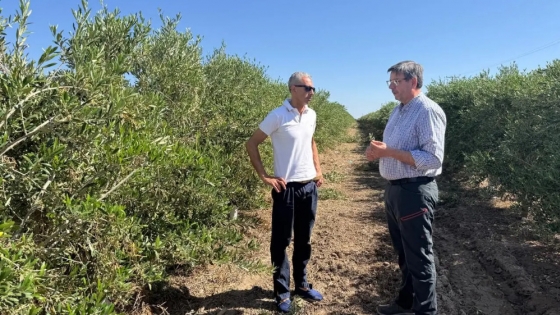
(410, 213)
(293, 208)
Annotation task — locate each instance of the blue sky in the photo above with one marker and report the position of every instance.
(347, 46)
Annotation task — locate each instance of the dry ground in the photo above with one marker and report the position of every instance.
(487, 261)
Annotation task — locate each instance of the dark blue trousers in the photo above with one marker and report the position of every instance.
(410, 214)
(293, 208)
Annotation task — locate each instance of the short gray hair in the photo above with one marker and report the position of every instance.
(410, 69)
(297, 77)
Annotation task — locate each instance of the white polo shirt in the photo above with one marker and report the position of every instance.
(291, 135)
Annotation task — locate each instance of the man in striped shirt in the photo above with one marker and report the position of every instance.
(410, 157)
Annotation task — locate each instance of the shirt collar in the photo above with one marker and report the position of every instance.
(290, 108)
(405, 107)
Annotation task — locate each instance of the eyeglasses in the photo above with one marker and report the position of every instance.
(395, 82)
(307, 87)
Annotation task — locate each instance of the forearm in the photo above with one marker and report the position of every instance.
(316, 161)
(426, 160)
(401, 155)
(255, 157)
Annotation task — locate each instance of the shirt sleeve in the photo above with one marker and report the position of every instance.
(270, 123)
(431, 137)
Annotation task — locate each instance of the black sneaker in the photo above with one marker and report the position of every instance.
(393, 309)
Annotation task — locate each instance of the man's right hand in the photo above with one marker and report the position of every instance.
(278, 183)
(370, 156)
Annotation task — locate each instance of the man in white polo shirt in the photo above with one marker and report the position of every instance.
(297, 174)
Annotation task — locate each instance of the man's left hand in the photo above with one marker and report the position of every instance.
(319, 180)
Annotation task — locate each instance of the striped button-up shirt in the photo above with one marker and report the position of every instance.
(417, 127)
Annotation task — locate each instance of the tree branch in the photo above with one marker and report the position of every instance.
(35, 204)
(18, 105)
(22, 138)
(103, 196)
(34, 131)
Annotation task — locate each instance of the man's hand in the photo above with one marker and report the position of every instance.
(319, 180)
(378, 149)
(278, 183)
(375, 150)
(369, 154)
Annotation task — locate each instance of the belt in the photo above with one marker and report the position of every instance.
(303, 182)
(421, 179)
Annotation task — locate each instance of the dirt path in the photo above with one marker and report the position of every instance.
(490, 262)
(482, 267)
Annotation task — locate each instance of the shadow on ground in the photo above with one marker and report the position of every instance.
(173, 300)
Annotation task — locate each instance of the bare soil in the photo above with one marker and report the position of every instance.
(488, 260)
